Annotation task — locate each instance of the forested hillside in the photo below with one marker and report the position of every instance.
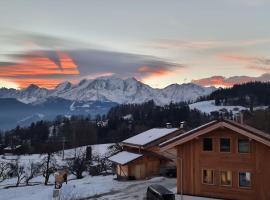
(259, 119)
(249, 95)
(121, 122)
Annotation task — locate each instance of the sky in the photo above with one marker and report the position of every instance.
(210, 42)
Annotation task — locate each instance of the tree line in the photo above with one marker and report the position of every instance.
(248, 94)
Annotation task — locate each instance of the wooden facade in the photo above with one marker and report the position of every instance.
(193, 161)
(141, 168)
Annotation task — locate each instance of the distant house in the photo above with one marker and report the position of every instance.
(13, 150)
(222, 159)
(141, 156)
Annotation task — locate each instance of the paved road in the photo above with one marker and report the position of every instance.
(136, 191)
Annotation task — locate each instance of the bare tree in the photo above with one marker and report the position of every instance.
(48, 166)
(17, 170)
(113, 149)
(31, 171)
(78, 164)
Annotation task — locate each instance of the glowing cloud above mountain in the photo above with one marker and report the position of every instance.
(34, 67)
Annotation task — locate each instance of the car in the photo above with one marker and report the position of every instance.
(158, 192)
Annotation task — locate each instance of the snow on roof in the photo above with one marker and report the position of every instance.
(149, 136)
(124, 157)
(12, 148)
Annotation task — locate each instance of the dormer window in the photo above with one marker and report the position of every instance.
(207, 144)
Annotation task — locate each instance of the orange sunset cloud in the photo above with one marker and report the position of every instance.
(221, 81)
(36, 67)
(160, 71)
(218, 81)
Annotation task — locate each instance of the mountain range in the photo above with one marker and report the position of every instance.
(88, 97)
(112, 89)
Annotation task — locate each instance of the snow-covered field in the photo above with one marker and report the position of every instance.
(97, 187)
(89, 187)
(39, 191)
(99, 149)
(75, 189)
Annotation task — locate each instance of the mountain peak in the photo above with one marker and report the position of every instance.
(63, 86)
(32, 87)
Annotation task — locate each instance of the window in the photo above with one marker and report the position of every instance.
(225, 145)
(208, 176)
(244, 179)
(207, 144)
(243, 146)
(226, 178)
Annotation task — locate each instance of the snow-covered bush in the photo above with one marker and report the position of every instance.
(4, 170)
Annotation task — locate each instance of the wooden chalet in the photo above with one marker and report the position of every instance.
(222, 159)
(141, 157)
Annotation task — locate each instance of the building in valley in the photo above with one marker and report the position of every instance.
(222, 159)
(141, 157)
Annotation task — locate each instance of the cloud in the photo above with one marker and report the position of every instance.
(33, 41)
(221, 81)
(166, 44)
(43, 58)
(39, 66)
(91, 61)
(250, 62)
(250, 2)
(34, 65)
(160, 71)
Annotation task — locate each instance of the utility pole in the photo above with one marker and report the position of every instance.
(63, 145)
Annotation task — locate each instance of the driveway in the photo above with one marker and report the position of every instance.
(136, 190)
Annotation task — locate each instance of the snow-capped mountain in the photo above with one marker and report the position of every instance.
(110, 89)
(30, 94)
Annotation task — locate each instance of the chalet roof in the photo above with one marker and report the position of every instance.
(12, 148)
(124, 157)
(149, 136)
(243, 129)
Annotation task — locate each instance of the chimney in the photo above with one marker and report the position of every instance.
(239, 118)
(183, 125)
(168, 125)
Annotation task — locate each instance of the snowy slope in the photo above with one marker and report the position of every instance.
(111, 89)
(209, 106)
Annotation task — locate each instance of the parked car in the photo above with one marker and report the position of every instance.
(158, 192)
